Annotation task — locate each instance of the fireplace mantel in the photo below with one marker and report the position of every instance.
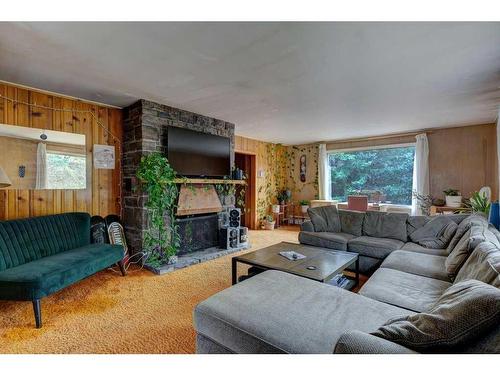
(208, 181)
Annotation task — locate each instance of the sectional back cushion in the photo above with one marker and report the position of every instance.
(436, 233)
(464, 226)
(415, 222)
(352, 222)
(385, 225)
(466, 313)
(26, 240)
(325, 219)
(483, 265)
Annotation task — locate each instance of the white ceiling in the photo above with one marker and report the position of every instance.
(282, 82)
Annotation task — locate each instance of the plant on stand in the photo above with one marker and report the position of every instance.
(453, 198)
(157, 180)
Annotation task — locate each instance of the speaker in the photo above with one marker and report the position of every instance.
(243, 236)
(234, 217)
(229, 238)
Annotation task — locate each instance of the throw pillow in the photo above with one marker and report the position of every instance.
(385, 225)
(325, 219)
(483, 264)
(351, 222)
(436, 233)
(466, 312)
(463, 227)
(459, 255)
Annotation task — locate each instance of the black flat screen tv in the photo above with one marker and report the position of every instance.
(196, 154)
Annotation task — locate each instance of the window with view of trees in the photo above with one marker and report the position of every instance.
(66, 171)
(384, 174)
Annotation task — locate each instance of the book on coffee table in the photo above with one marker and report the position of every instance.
(292, 255)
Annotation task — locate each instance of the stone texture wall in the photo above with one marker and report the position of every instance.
(145, 130)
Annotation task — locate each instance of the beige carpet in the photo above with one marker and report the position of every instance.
(107, 313)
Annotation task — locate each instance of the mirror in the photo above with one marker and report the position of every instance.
(32, 158)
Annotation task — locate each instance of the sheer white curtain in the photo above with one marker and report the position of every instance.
(323, 173)
(420, 170)
(41, 166)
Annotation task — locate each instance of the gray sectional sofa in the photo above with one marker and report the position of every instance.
(418, 300)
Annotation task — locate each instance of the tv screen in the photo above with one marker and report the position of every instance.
(196, 154)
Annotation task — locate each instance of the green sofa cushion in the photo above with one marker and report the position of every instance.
(47, 275)
(25, 240)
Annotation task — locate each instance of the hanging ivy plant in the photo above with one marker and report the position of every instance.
(157, 180)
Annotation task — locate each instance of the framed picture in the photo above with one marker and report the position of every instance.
(104, 157)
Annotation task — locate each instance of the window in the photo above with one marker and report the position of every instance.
(384, 174)
(66, 171)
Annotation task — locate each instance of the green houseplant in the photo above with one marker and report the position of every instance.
(269, 222)
(453, 198)
(479, 203)
(157, 180)
(304, 204)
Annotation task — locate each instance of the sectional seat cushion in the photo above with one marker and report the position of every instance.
(411, 246)
(276, 312)
(385, 225)
(47, 275)
(351, 222)
(418, 264)
(336, 241)
(325, 219)
(436, 233)
(466, 312)
(402, 289)
(373, 246)
(483, 265)
(464, 226)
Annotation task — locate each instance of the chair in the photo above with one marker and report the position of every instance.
(357, 203)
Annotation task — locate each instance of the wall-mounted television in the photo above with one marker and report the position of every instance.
(197, 154)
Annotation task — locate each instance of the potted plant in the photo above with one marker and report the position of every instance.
(282, 197)
(453, 198)
(269, 222)
(304, 205)
(479, 203)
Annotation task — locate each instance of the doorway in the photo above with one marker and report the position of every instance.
(246, 195)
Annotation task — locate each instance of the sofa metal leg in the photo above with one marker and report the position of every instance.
(38, 313)
(122, 267)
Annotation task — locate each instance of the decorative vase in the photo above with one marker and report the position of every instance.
(304, 208)
(494, 218)
(454, 201)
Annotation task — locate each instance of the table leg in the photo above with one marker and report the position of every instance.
(234, 271)
(357, 271)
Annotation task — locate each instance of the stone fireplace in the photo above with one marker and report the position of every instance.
(145, 131)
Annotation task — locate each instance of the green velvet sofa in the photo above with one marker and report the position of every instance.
(42, 255)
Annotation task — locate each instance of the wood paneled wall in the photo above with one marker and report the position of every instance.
(103, 186)
(463, 158)
(270, 160)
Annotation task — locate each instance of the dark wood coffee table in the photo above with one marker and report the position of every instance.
(327, 263)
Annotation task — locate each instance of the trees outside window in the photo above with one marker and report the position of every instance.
(384, 174)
